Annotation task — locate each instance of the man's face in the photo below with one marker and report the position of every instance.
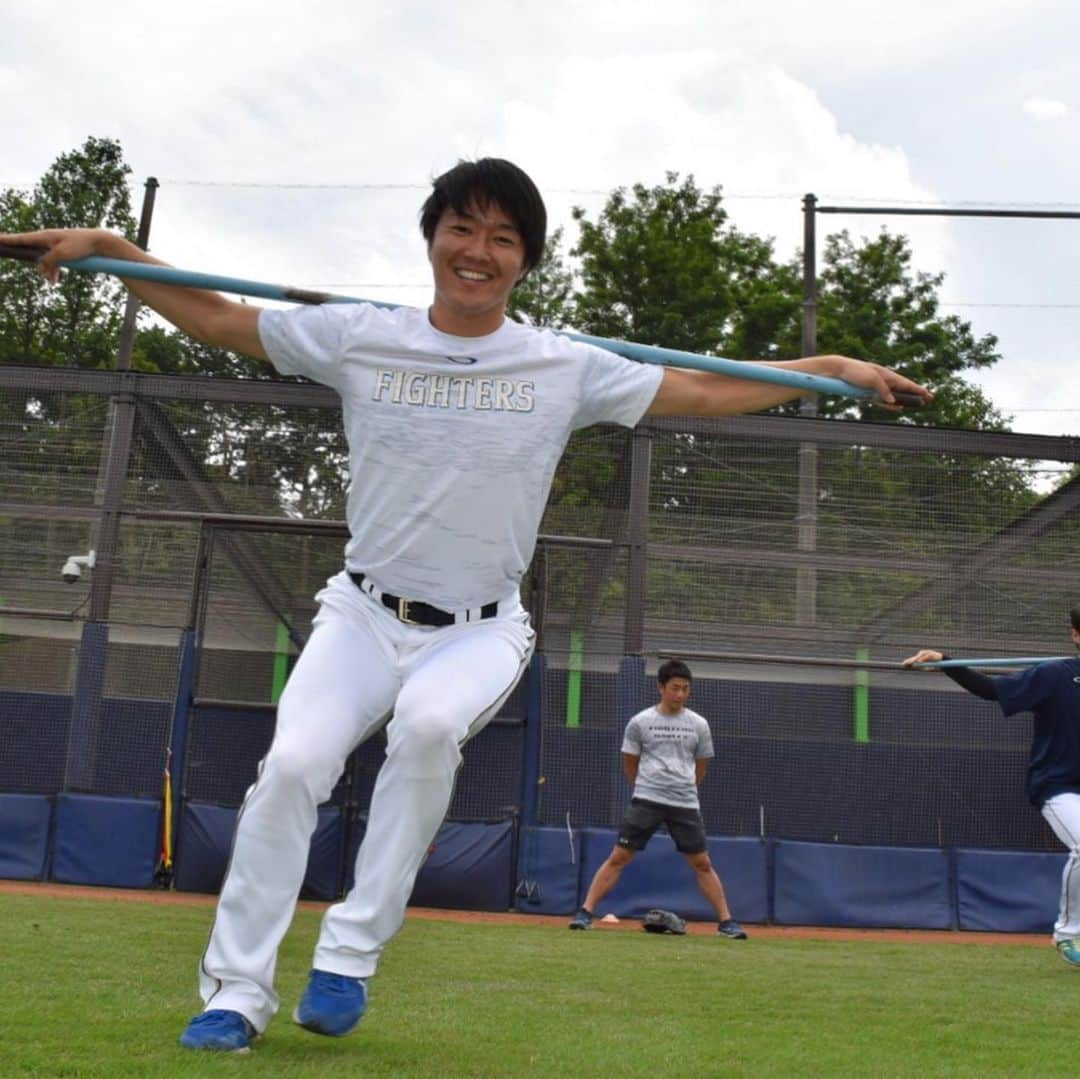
(674, 694)
(1075, 636)
(477, 257)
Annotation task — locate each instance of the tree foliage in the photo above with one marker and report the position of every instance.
(75, 324)
(545, 297)
(663, 266)
(874, 305)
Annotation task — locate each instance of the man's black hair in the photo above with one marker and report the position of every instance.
(1074, 616)
(673, 668)
(483, 182)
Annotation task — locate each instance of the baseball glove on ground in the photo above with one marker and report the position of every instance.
(663, 921)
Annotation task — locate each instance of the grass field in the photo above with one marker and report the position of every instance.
(99, 988)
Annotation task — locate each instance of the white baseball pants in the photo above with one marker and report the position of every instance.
(1062, 813)
(360, 665)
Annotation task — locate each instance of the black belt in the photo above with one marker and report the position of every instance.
(418, 613)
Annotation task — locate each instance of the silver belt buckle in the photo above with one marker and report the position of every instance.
(403, 612)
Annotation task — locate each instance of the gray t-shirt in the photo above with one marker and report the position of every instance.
(453, 440)
(668, 747)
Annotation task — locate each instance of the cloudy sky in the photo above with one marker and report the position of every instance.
(294, 142)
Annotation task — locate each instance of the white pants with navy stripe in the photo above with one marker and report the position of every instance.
(1062, 813)
(360, 665)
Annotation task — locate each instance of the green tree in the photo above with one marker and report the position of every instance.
(662, 266)
(77, 323)
(545, 297)
(874, 305)
(53, 440)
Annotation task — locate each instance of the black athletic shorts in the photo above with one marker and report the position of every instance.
(684, 825)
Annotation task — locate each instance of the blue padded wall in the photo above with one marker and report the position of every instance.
(106, 841)
(324, 873)
(660, 877)
(469, 868)
(862, 887)
(204, 844)
(1008, 891)
(24, 835)
(743, 866)
(549, 869)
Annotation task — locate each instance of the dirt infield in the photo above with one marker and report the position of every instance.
(768, 932)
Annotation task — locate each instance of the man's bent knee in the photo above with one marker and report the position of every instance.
(304, 765)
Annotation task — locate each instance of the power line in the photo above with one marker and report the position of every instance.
(748, 195)
(263, 185)
(775, 195)
(1050, 306)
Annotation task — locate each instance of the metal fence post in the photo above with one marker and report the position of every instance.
(89, 688)
(638, 532)
(806, 519)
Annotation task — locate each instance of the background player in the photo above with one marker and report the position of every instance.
(456, 418)
(1052, 692)
(665, 751)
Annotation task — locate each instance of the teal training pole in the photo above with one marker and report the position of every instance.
(666, 357)
(1026, 661)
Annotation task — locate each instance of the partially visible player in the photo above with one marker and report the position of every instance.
(456, 418)
(1051, 691)
(666, 751)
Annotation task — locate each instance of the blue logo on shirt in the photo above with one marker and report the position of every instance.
(466, 360)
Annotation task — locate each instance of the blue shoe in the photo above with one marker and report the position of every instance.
(1069, 950)
(332, 1004)
(731, 929)
(582, 920)
(227, 1032)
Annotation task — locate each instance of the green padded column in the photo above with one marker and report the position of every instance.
(861, 731)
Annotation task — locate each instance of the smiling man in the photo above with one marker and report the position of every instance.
(480, 250)
(456, 418)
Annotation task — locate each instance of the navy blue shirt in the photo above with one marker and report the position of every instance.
(1052, 692)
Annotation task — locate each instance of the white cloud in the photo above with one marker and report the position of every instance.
(1045, 108)
(754, 130)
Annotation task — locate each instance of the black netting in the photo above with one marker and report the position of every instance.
(800, 759)
(265, 460)
(33, 733)
(258, 611)
(223, 752)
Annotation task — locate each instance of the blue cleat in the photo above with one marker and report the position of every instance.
(731, 929)
(1069, 950)
(332, 1004)
(582, 920)
(226, 1032)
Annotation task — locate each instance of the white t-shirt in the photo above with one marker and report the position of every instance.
(669, 747)
(453, 440)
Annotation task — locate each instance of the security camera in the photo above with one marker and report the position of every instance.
(72, 570)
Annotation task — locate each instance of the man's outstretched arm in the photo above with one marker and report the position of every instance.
(974, 682)
(701, 393)
(206, 316)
